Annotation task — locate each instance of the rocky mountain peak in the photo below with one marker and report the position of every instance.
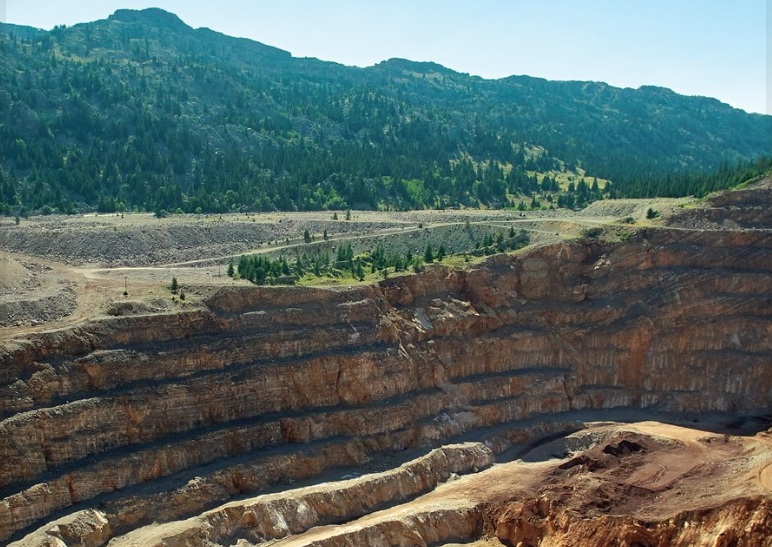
(150, 16)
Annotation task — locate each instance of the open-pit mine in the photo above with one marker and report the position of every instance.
(608, 387)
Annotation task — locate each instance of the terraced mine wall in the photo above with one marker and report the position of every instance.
(152, 418)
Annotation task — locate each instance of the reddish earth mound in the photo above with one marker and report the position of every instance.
(649, 485)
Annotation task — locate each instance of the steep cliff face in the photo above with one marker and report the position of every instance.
(271, 385)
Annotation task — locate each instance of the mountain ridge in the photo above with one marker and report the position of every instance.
(172, 20)
(141, 111)
(154, 15)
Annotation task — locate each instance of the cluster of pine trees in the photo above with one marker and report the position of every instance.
(262, 270)
(501, 243)
(695, 184)
(318, 262)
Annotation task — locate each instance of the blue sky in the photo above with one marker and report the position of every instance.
(714, 48)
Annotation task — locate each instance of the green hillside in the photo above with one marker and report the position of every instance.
(142, 112)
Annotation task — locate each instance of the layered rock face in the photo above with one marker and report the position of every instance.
(158, 417)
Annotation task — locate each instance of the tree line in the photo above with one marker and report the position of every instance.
(345, 264)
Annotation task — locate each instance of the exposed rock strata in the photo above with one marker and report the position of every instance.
(669, 320)
(280, 515)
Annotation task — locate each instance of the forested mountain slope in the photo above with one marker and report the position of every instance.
(140, 111)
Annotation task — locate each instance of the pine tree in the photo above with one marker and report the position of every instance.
(428, 254)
